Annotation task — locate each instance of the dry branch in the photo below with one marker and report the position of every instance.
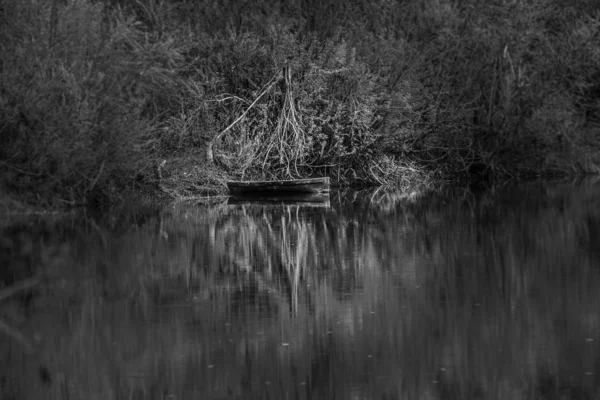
(209, 151)
(18, 287)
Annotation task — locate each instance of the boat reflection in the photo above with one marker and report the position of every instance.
(305, 200)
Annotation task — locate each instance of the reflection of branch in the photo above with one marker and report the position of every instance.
(18, 336)
(17, 287)
(294, 253)
(263, 284)
(9, 292)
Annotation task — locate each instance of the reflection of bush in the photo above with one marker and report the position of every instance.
(216, 301)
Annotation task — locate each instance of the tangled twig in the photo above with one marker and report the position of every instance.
(272, 82)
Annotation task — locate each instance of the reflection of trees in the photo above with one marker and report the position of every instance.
(271, 247)
(286, 249)
(457, 274)
(382, 291)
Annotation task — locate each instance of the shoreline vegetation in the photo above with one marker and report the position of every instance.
(106, 100)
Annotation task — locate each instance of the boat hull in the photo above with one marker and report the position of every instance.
(311, 185)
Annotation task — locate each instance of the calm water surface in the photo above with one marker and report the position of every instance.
(371, 295)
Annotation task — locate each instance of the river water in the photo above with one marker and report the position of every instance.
(366, 295)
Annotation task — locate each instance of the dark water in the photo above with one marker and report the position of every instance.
(374, 295)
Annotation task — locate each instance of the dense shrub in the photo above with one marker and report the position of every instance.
(317, 112)
(78, 82)
(506, 85)
(96, 94)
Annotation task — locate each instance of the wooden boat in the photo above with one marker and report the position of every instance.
(310, 185)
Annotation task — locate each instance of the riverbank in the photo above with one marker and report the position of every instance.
(108, 100)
